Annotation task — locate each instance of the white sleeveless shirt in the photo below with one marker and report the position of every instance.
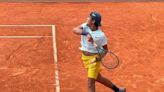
(98, 37)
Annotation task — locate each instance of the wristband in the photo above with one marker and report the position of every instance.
(84, 33)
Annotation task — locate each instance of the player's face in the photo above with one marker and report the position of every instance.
(89, 21)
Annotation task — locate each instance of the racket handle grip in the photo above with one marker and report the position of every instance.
(95, 60)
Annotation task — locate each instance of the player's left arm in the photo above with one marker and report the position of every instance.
(105, 44)
(105, 47)
(104, 50)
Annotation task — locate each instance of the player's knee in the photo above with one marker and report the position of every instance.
(99, 76)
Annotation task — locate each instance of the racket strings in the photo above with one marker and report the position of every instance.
(110, 60)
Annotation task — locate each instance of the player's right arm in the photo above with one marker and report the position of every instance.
(81, 30)
(78, 30)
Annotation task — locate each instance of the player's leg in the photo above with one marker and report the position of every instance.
(91, 85)
(106, 82)
(93, 71)
(109, 84)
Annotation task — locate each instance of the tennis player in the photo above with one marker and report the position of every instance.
(91, 33)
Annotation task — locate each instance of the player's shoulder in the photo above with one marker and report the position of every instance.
(100, 33)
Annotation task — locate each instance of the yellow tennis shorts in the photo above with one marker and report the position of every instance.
(93, 69)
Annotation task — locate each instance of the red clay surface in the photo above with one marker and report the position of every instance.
(134, 30)
(26, 64)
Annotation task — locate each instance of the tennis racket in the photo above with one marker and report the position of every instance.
(109, 61)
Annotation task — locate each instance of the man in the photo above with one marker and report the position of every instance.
(91, 34)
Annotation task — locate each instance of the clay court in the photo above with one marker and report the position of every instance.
(28, 58)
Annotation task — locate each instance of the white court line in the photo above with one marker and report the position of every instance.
(55, 59)
(25, 37)
(26, 25)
